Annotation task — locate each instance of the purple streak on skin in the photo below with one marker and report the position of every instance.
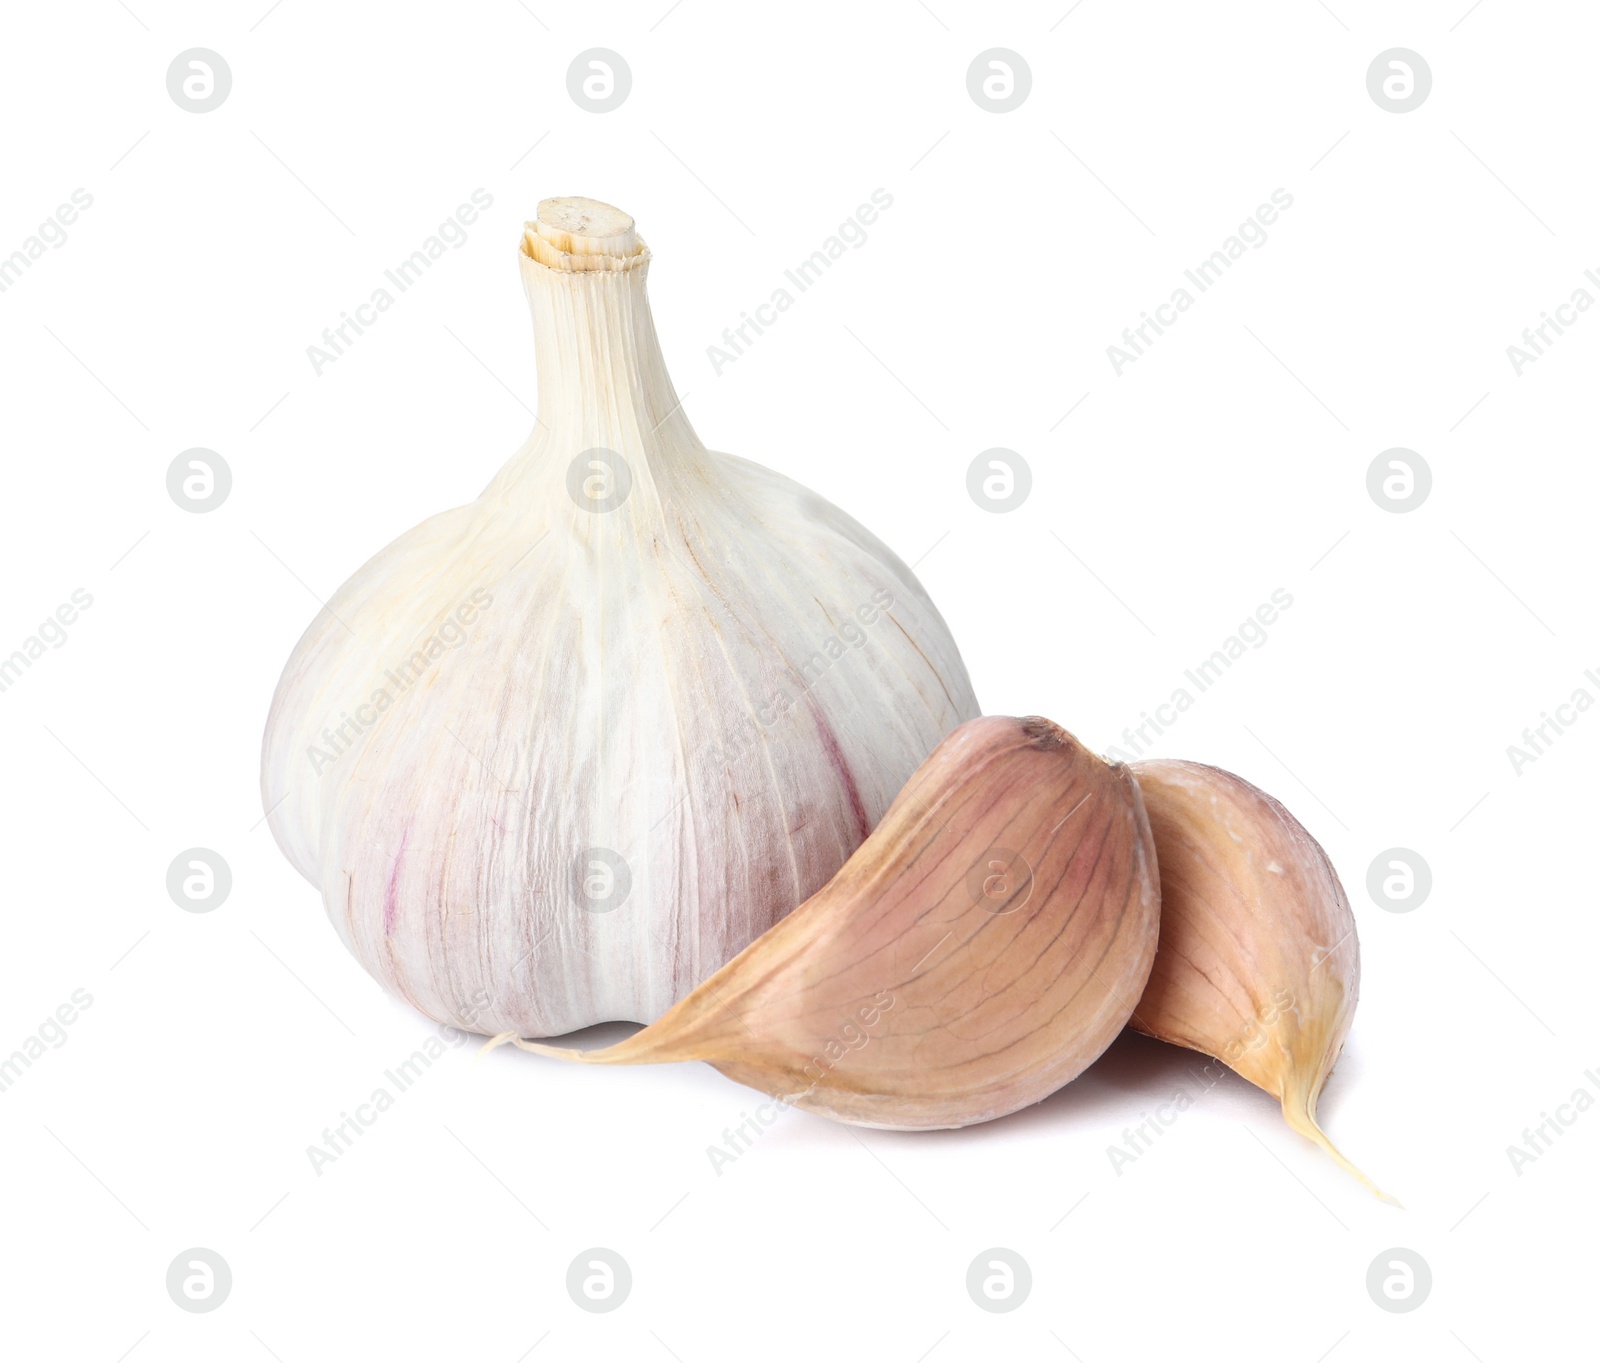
(831, 743)
(390, 896)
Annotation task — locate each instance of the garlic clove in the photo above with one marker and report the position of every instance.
(981, 948)
(1258, 963)
(631, 657)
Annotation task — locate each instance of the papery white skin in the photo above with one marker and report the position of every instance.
(635, 680)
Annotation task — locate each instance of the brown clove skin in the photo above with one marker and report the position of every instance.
(983, 946)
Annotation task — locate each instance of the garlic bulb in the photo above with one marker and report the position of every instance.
(1258, 963)
(979, 950)
(555, 756)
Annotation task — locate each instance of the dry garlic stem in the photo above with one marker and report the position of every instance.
(1258, 963)
(978, 951)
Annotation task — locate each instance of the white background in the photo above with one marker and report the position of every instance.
(1228, 461)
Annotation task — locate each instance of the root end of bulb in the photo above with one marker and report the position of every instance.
(631, 1051)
